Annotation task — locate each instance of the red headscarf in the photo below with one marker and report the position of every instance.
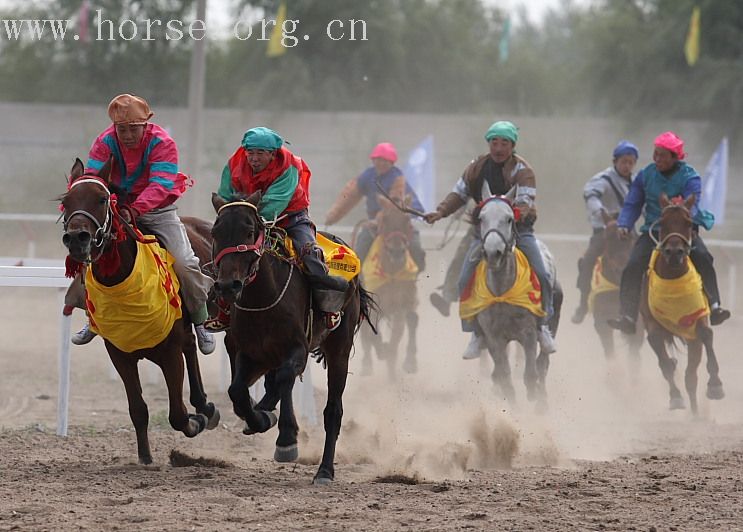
(671, 142)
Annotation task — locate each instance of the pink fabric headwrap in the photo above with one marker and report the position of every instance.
(385, 150)
(671, 142)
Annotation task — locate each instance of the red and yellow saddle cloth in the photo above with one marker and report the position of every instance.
(678, 303)
(341, 260)
(526, 291)
(599, 283)
(139, 312)
(374, 274)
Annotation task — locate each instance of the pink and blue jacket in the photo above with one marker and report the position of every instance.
(149, 172)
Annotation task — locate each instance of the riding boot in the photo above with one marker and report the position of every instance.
(330, 303)
(328, 291)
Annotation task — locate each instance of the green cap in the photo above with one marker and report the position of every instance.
(504, 129)
(262, 138)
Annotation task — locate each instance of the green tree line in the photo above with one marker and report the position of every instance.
(616, 57)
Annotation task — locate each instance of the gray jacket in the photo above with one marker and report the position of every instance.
(606, 190)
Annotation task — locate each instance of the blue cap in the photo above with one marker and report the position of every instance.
(625, 147)
(262, 138)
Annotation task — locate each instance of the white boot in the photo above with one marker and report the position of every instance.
(474, 348)
(205, 339)
(546, 341)
(83, 336)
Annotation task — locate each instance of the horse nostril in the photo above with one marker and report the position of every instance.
(66, 239)
(84, 237)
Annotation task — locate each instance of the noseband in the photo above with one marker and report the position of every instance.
(661, 243)
(256, 247)
(103, 233)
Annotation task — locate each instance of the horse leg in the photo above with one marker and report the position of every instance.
(396, 331)
(531, 375)
(692, 364)
(667, 367)
(244, 376)
(368, 343)
(714, 385)
(606, 335)
(126, 367)
(271, 396)
(502, 371)
(197, 395)
(286, 375)
(411, 363)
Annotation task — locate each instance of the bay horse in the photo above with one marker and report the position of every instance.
(96, 235)
(390, 272)
(273, 328)
(604, 297)
(504, 322)
(692, 327)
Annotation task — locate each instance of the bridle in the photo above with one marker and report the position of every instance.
(661, 243)
(104, 231)
(256, 247)
(509, 242)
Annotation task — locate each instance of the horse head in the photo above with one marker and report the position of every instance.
(88, 215)
(238, 236)
(496, 218)
(395, 228)
(675, 229)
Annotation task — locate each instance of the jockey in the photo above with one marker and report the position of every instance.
(494, 174)
(262, 163)
(668, 174)
(392, 180)
(604, 192)
(146, 167)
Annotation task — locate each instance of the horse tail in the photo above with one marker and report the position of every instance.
(369, 309)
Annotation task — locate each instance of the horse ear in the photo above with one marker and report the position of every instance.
(690, 201)
(78, 169)
(255, 198)
(511, 194)
(217, 202)
(664, 201)
(105, 171)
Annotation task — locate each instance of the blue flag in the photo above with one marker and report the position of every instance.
(715, 183)
(420, 172)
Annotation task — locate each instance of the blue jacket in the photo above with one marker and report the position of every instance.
(366, 183)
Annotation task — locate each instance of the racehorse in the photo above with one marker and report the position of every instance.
(604, 297)
(273, 328)
(674, 305)
(391, 273)
(95, 234)
(504, 321)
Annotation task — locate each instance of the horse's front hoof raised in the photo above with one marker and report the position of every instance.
(213, 420)
(715, 392)
(677, 403)
(290, 453)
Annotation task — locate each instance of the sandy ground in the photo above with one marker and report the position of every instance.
(438, 450)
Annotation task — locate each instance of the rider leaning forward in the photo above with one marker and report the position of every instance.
(145, 165)
(668, 174)
(262, 163)
(494, 173)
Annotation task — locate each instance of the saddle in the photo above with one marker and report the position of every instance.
(340, 259)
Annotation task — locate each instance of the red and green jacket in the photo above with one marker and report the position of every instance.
(284, 183)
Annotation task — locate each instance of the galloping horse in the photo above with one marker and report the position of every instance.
(391, 273)
(604, 297)
(273, 328)
(511, 291)
(674, 304)
(95, 234)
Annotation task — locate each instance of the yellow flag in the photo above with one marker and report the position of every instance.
(275, 48)
(691, 48)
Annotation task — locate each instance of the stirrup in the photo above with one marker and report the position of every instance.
(215, 325)
(333, 320)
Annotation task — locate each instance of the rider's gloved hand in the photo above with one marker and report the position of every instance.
(432, 217)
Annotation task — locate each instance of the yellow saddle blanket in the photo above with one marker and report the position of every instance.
(374, 274)
(526, 291)
(341, 260)
(677, 304)
(139, 312)
(599, 283)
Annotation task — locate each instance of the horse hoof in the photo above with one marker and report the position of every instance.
(272, 419)
(145, 460)
(322, 481)
(677, 403)
(290, 453)
(213, 420)
(715, 392)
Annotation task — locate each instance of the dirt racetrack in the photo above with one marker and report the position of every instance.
(438, 450)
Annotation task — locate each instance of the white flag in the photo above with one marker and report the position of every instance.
(715, 183)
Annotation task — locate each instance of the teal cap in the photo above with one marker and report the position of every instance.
(262, 138)
(504, 129)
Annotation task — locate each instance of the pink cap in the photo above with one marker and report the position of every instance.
(384, 150)
(671, 142)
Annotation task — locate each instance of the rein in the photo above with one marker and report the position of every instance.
(660, 243)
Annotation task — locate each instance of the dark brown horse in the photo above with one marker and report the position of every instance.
(672, 263)
(273, 328)
(95, 234)
(391, 275)
(605, 297)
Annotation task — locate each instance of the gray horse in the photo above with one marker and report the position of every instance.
(503, 322)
